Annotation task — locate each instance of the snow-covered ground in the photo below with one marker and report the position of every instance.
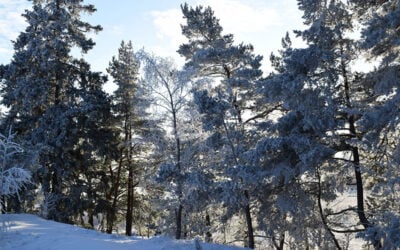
(29, 232)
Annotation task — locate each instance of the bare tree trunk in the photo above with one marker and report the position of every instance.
(356, 156)
(321, 213)
(208, 225)
(178, 214)
(3, 204)
(116, 185)
(249, 223)
(129, 208)
(280, 243)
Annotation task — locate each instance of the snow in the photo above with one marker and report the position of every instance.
(30, 232)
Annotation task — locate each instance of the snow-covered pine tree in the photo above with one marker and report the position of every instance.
(124, 69)
(133, 124)
(381, 122)
(95, 145)
(226, 104)
(50, 95)
(313, 147)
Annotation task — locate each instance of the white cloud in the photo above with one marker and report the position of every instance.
(167, 26)
(235, 17)
(259, 22)
(167, 22)
(244, 16)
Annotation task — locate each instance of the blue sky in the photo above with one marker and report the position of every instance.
(154, 25)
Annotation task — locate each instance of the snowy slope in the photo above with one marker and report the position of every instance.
(29, 232)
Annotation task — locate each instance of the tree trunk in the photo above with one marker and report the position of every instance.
(360, 190)
(249, 223)
(129, 210)
(3, 204)
(321, 212)
(280, 243)
(178, 213)
(208, 237)
(356, 156)
(113, 210)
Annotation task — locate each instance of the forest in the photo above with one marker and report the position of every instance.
(216, 150)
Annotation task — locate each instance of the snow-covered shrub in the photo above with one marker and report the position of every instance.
(12, 176)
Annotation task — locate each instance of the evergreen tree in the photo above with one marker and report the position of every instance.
(380, 123)
(51, 96)
(312, 149)
(134, 125)
(226, 103)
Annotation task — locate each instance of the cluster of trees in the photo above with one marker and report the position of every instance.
(217, 149)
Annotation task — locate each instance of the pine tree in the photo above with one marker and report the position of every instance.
(49, 94)
(225, 103)
(314, 144)
(134, 126)
(380, 123)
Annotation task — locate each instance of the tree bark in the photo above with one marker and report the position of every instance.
(356, 156)
(113, 210)
(249, 223)
(178, 213)
(129, 210)
(3, 204)
(208, 237)
(321, 213)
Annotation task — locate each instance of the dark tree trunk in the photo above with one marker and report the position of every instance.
(360, 190)
(249, 223)
(356, 156)
(3, 206)
(129, 156)
(321, 212)
(129, 210)
(116, 185)
(282, 241)
(208, 225)
(279, 243)
(178, 213)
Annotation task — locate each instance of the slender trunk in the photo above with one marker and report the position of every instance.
(249, 223)
(208, 237)
(116, 185)
(90, 214)
(321, 213)
(129, 208)
(178, 214)
(129, 159)
(279, 244)
(356, 156)
(360, 190)
(54, 183)
(282, 241)
(3, 204)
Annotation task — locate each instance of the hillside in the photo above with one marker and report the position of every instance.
(29, 232)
